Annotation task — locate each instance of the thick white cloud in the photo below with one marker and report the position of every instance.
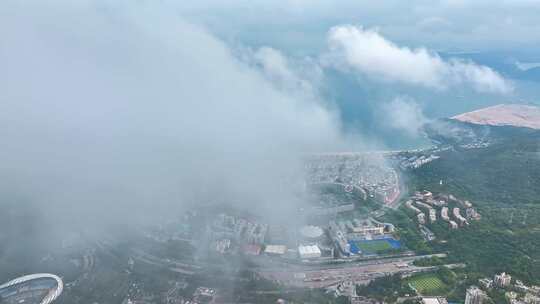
(368, 52)
(481, 78)
(113, 109)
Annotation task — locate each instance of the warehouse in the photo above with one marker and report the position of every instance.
(309, 251)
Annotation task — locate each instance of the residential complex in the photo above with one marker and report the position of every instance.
(368, 172)
(502, 280)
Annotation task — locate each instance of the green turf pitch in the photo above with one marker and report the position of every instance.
(374, 246)
(427, 284)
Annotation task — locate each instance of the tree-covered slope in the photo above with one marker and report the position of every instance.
(503, 183)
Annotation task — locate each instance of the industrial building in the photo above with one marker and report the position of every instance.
(275, 249)
(309, 251)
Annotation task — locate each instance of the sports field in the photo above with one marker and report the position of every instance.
(427, 284)
(374, 246)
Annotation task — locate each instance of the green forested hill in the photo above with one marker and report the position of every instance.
(503, 183)
(506, 172)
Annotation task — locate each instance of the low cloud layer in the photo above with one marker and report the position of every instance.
(367, 52)
(130, 108)
(114, 111)
(301, 76)
(405, 115)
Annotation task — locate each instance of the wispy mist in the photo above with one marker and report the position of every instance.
(404, 114)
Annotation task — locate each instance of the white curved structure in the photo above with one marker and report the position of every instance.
(24, 284)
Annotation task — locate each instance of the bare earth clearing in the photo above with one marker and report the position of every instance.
(504, 115)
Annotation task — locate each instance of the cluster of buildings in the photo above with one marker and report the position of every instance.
(473, 295)
(528, 298)
(427, 206)
(347, 289)
(524, 298)
(413, 159)
(366, 171)
(457, 215)
(311, 242)
(228, 230)
(202, 295)
(340, 239)
(240, 229)
(176, 293)
(417, 161)
(516, 293)
(365, 174)
(331, 199)
(333, 240)
(231, 234)
(343, 233)
(478, 144)
(365, 229)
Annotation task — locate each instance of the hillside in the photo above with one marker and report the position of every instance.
(503, 181)
(507, 171)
